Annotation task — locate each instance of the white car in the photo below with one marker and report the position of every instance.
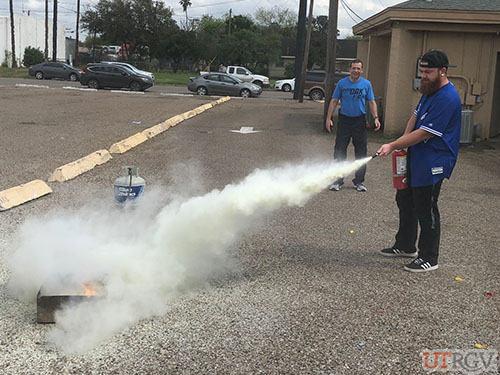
(131, 67)
(286, 85)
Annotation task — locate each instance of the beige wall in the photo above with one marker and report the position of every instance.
(474, 54)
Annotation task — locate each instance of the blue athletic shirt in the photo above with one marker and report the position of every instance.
(440, 114)
(353, 96)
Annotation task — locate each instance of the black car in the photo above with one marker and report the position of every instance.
(49, 70)
(113, 76)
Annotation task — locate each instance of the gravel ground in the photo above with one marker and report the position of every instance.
(306, 292)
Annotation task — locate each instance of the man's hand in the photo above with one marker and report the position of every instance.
(329, 125)
(385, 149)
(377, 124)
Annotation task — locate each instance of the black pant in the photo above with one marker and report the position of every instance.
(418, 205)
(355, 128)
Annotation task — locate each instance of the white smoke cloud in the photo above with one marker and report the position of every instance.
(146, 255)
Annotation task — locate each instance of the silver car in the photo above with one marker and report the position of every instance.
(222, 84)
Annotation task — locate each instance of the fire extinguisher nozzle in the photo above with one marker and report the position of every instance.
(375, 155)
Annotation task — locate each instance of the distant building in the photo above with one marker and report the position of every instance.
(29, 31)
(468, 31)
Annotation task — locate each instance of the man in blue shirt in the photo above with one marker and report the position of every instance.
(352, 92)
(432, 136)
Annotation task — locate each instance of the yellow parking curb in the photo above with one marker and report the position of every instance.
(23, 193)
(128, 143)
(77, 167)
(161, 127)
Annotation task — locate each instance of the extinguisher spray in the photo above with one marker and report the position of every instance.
(399, 168)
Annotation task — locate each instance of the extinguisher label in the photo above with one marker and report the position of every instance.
(401, 165)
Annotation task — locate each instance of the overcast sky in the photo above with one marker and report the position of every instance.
(216, 8)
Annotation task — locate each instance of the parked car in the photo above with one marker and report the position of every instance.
(114, 76)
(222, 84)
(286, 85)
(131, 67)
(49, 70)
(245, 75)
(314, 86)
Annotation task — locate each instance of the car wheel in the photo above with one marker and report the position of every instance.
(93, 84)
(202, 90)
(135, 86)
(73, 77)
(258, 83)
(39, 75)
(286, 87)
(245, 93)
(316, 95)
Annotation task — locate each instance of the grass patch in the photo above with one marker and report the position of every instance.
(13, 73)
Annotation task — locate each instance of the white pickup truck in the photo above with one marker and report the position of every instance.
(246, 75)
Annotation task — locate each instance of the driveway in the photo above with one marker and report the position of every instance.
(230, 282)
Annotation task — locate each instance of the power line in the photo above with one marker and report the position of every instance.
(209, 5)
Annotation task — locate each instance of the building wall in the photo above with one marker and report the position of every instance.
(29, 31)
(473, 53)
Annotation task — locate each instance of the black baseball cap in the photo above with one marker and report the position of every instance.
(434, 59)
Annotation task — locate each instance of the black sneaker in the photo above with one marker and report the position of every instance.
(420, 265)
(393, 252)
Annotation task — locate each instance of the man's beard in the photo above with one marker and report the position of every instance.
(429, 87)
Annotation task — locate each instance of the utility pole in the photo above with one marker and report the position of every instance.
(12, 35)
(230, 15)
(46, 52)
(300, 44)
(54, 33)
(306, 52)
(75, 59)
(330, 55)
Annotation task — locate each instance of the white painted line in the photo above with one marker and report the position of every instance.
(128, 92)
(174, 94)
(37, 86)
(246, 130)
(78, 88)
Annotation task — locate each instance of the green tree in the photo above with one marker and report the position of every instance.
(140, 23)
(185, 5)
(32, 56)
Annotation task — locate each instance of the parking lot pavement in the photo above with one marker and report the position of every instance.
(303, 289)
(159, 88)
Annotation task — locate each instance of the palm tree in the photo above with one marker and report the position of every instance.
(185, 4)
(13, 38)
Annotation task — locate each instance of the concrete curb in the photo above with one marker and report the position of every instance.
(128, 143)
(173, 121)
(23, 193)
(77, 167)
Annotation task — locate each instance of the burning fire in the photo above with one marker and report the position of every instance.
(89, 290)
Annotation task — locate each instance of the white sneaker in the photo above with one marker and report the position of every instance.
(361, 187)
(335, 186)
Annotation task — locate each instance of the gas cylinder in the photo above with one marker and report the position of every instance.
(399, 178)
(129, 186)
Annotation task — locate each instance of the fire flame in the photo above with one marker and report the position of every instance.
(89, 290)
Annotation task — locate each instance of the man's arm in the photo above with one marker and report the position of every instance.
(373, 110)
(410, 124)
(331, 109)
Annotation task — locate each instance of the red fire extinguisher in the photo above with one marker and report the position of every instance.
(399, 178)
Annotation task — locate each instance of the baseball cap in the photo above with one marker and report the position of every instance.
(434, 59)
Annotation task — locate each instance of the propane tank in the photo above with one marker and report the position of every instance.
(399, 178)
(129, 186)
